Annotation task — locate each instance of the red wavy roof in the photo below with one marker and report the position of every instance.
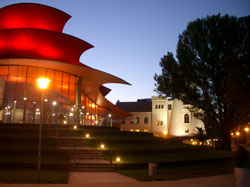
(34, 31)
(30, 30)
(30, 15)
(41, 44)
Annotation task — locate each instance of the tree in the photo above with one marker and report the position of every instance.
(212, 73)
(200, 134)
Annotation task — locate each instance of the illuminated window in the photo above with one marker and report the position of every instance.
(169, 107)
(146, 120)
(186, 118)
(137, 121)
(131, 120)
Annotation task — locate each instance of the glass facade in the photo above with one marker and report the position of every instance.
(64, 100)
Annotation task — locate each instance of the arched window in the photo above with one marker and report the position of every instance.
(137, 120)
(162, 106)
(146, 120)
(186, 118)
(156, 106)
(131, 120)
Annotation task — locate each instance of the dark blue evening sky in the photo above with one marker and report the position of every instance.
(131, 36)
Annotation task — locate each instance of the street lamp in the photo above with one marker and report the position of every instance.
(43, 84)
(247, 130)
(110, 118)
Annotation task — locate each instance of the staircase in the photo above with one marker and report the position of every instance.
(82, 157)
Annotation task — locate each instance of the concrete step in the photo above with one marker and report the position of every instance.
(93, 169)
(90, 165)
(85, 157)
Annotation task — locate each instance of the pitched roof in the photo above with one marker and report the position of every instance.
(142, 105)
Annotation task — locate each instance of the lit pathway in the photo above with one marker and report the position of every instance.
(98, 178)
(215, 181)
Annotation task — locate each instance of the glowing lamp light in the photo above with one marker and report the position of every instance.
(75, 127)
(118, 159)
(87, 135)
(237, 133)
(25, 98)
(64, 122)
(54, 103)
(232, 134)
(246, 129)
(102, 146)
(43, 83)
(110, 115)
(165, 132)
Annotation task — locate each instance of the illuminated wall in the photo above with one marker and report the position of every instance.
(169, 118)
(65, 101)
(32, 45)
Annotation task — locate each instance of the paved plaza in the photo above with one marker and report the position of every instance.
(112, 179)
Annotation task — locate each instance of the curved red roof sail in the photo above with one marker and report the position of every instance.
(41, 44)
(30, 15)
(31, 34)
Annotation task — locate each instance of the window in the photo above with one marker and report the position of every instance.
(161, 122)
(131, 121)
(156, 106)
(162, 106)
(157, 123)
(137, 121)
(146, 120)
(169, 107)
(186, 118)
(186, 130)
(123, 121)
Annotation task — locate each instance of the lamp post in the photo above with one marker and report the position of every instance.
(43, 84)
(247, 132)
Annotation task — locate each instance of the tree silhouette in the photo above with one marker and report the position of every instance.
(212, 73)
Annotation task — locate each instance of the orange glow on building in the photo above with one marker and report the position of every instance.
(32, 45)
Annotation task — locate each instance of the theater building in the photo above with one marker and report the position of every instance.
(32, 45)
(162, 116)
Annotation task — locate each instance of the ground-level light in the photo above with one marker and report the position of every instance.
(118, 159)
(237, 133)
(87, 135)
(102, 146)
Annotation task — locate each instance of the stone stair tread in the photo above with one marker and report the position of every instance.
(76, 148)
(93, 170)
(67, 137)
(89, 161)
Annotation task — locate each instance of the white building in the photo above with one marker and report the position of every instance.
(162, 116)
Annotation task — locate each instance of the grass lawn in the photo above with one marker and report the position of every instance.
(180, 172)
(57, 157)
(30, 176)
(168, 157)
